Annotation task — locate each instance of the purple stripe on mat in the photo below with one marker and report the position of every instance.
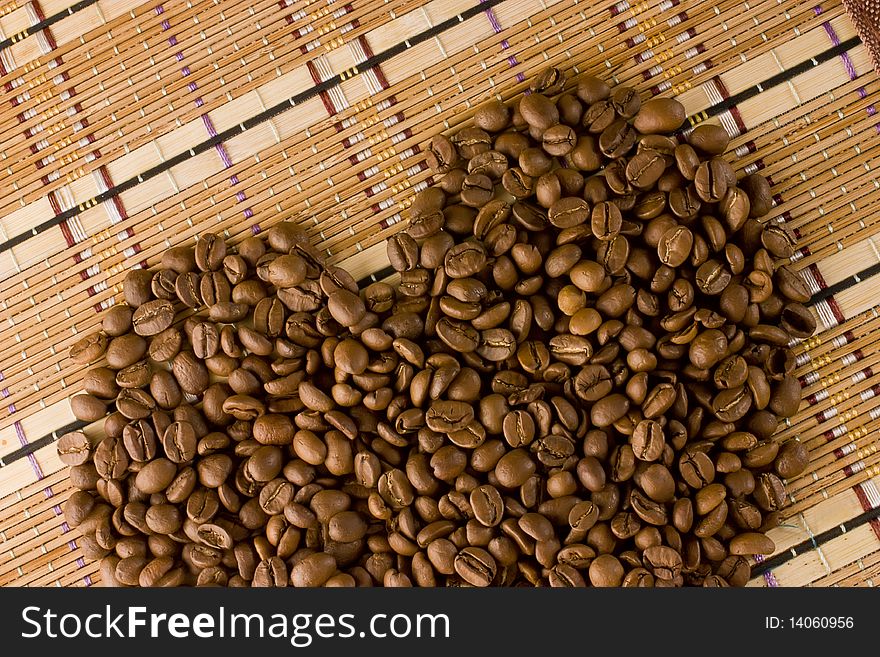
(769, 577)
(49, 493)
(493, 21)
(209, 125)
(19, 430)
(847, 63)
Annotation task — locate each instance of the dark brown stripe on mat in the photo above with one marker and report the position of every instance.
(816, 541)
(779, 78)
(45, 22)
(845, 284)
(32, 446)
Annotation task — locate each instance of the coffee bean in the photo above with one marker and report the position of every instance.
(617, 139)
(492, 116)
(139, 439)
(74, 448)
(615, 301)
(659, 115)
(441, 156)
(696, 469)
(664, 562)
(475, 566)
(491, 163)
(496, 344)
(647, 441)
(709, 138)
(487, 505)
(117, 321)
(752, 543)
(179, 442)
(792, 459)
(101, 382)
(190, 372)
(136, 287)
(538, 111)
(135, 404)
(476, 190)
(608, 410)
(558, 140)
(457, 335)
(606, 570)
(712, 277)
(155, 476)
(644, 169)
(675, 245)
(137, 375)
(712, 180)
(88, 349)
(760, 197)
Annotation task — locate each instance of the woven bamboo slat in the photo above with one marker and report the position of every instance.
(799, 106)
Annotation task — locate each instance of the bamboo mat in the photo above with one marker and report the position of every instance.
(128, 127)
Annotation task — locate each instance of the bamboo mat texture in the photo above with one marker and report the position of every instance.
(128, 127)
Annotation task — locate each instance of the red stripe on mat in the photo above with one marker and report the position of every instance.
(866, 505)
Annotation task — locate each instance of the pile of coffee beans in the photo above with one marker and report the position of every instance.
(576, 380)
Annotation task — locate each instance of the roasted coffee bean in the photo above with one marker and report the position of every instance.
(712, 180)
(346, 307)
(117, 321)
(190, 372)
(125, 350)
(659, 115)
(760, 197)
(136, 287)
(74, 448)
(442, 155)
(140, 441)
(476, 190)
(88, 349)
(457, 335)
(592, 89)
(712, 277)
(675, 246)
(155, 476)
(152, 317)
(709, 138)
(791, 460)
(163, 284)
(492, 116)
(617, 139)
(558, 140)
(209, 252)
(475, 566)
(179, 442)
(137, 375)
(100, 382)
(538, 111)
(491, 163)
(135, 404)
(751, 543)
(648, 441)
(644, 169)
(606, 570)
